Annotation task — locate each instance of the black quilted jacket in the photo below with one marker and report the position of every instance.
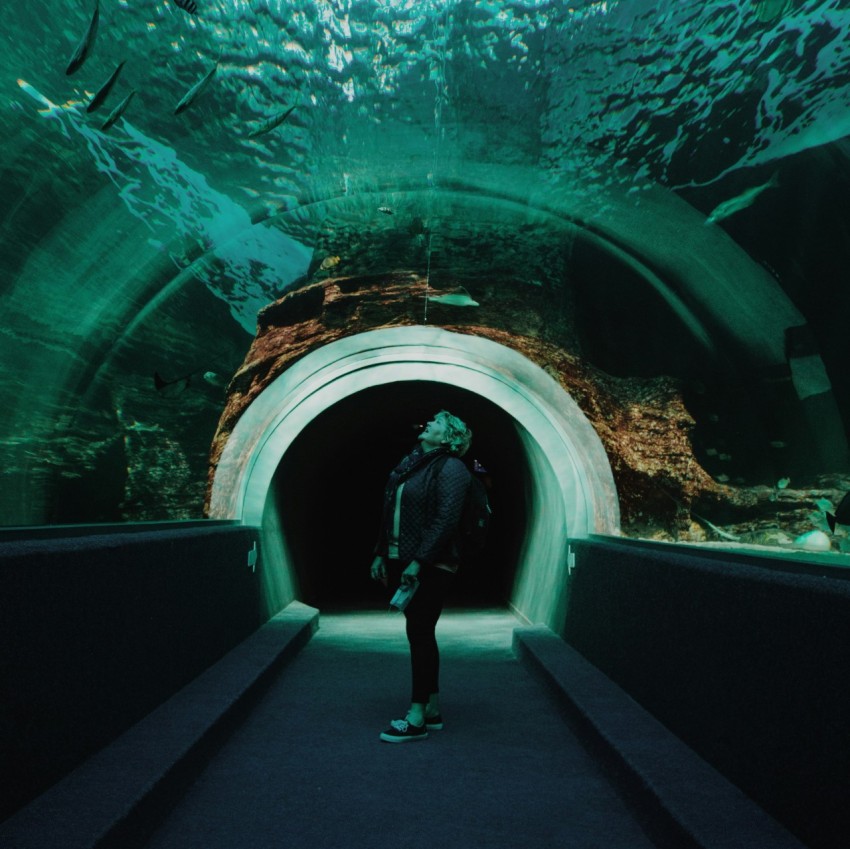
(431, 506)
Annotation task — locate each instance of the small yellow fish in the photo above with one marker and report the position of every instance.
(330, 262)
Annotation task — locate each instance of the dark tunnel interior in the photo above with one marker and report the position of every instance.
(329, 487)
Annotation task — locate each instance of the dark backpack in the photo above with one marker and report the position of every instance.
(475, 518)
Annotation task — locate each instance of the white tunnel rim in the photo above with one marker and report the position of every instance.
(533, 399)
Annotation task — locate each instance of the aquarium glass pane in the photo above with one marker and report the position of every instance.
(668, 180)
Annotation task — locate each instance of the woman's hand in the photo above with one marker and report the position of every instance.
(379, 570)
(411, 573)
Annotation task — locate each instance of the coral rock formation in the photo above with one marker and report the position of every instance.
(642, 422)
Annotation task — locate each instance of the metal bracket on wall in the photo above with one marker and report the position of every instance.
(252, 557)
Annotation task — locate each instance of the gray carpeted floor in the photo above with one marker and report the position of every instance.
(307, 768)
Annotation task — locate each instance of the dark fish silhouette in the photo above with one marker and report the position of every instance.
(177, 385)
(117, 112)
(741, 201)
(271, 123)
(86, 43)
(189, 5)
(170, 388)
(196, 91)
(842, 514)
(103, 91)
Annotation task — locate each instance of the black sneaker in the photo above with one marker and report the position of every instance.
(434, 723)
(402, 731)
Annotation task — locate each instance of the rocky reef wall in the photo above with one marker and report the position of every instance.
(643, 423)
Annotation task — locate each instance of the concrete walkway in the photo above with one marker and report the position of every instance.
(277, 745)
(306, 769)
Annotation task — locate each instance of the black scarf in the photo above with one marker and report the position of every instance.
(414, 461)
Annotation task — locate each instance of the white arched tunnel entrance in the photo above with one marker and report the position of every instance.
(569, 488)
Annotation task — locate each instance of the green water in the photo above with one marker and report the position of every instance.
(678, 171)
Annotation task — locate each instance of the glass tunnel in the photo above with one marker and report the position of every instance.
(246, 250)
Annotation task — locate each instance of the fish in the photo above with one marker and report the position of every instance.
(386, 210)
(454, 299)
(103, 92)
(330, 262)
(703, 521)
(170, 388)
(86, 43)
(189, 5)
(117, 112)
(741, 201)
(841, 515)
(196, 91)
(714, 529)
(782, 483)
(213, 379)
(271, 123)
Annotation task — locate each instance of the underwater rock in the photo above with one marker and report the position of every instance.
(814, 541)
(642, 422)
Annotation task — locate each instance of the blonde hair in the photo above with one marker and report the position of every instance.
(458, 434)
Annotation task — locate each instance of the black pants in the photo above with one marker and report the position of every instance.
(422, 614)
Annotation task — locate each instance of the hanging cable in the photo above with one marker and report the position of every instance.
(427, 278)
(441, 97)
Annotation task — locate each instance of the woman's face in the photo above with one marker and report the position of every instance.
(433, 434)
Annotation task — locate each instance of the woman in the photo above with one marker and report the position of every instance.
(423, 502)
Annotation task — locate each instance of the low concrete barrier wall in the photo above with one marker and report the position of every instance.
(98, 628)
(118, 797)
(745, 660)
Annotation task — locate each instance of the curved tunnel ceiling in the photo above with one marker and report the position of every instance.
(418, 131)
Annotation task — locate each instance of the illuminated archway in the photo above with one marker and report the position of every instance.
(572, 488)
